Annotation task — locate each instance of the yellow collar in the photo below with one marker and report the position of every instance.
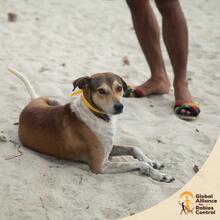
(86, 102)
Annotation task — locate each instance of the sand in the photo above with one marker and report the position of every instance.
(54, 42)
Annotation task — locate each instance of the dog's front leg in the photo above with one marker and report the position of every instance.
(136, 153)
(145, 168)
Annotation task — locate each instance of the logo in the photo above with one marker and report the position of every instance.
(186, 201)
(199, 204)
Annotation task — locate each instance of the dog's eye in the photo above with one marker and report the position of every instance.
(102, 91)
(119, 88)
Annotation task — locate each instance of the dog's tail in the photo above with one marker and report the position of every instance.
(26, 82)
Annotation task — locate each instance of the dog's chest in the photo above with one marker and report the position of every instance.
(103, 130)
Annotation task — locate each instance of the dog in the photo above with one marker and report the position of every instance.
(83, 129)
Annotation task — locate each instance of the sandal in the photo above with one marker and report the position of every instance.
(133, 92)
(191, 107)
(129, 92)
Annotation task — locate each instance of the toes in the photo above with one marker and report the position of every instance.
(183, 111)
(164, 178)
(139, 92)
(172, 179)
(162, 166)
(156, 164)
(167, 179)
(188, 112)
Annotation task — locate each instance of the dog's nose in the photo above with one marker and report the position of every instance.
(118, 108)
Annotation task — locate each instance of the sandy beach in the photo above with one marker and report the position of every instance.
(54, 42)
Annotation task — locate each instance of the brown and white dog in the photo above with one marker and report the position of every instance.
(83, 130)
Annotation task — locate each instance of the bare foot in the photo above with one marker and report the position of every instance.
(153, 86)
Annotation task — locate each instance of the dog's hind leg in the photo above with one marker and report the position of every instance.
(136, 153)
(145, 168)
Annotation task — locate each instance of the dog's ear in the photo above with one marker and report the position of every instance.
(82, 83)
(124, 84)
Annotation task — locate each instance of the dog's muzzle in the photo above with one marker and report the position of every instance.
(118, 108)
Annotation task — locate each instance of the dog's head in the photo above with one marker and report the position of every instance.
(104, 90)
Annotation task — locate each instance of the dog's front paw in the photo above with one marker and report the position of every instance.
(161, 177)
(167, 178)
(156, 175)
(156, 164)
